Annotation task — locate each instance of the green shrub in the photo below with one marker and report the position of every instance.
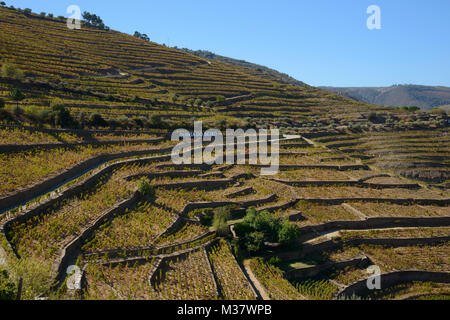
(206, 220)
(220, 221)
(220, 98)
(259, 227)
(255, 242)
(156, 121)
(16, 95)
(62, 117)
(372, 117)
(97, 120)
(7, 288)
(11, 71)
(2, 103)
(145, 188)
(198, 102)
(288, 233)
(242, 229)
(275, 261)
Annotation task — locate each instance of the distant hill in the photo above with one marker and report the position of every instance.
(425, 97)
(259, 70)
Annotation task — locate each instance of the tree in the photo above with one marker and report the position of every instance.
(2, 4)
(269, 225)
(142, 36)
(16, 95)
(372, 117)
(62, 116)
(93, 20)
(288, 233)
(156, 121)
(9, 70)
(139, 121)
(255, 242)
(97, 120)
(258, 227)
(242, 229)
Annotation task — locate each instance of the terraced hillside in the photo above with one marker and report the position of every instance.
(419, 155)
(94, 209)
(126, 80)
(81, 66)
(130, 244)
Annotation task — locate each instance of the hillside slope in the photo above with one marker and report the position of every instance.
(116, 74)
(127, 80)
(425, 97)
(258, 69)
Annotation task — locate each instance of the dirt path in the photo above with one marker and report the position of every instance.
(256, 284)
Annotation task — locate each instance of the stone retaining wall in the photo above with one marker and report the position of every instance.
(381, 175)
(148, 251)
(73, 190)
(295, 145)
(306, 249)
(315, 270)
(54, 181)
(212, 271)
(160, 260)
(10, 148)
(207, 185)
(203, 167)
(374, 223)
(282, 206)
(421, 201)
(360, 184)
(71, 250)
(394, 278)
(317, 166)
(239, 193)
(83, 132)
(218, 204)
(168, 174)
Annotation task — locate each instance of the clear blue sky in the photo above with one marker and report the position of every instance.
(321, 42)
